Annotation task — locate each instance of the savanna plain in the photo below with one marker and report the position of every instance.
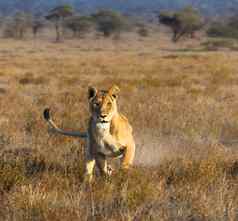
(182, 104)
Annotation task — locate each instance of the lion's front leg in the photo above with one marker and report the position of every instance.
(116, 148)
(103, 166)
(90, 165)
(90, 161)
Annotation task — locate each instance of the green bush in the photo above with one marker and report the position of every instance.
(79, 25)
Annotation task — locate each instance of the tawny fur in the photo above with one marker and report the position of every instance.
(109, 133)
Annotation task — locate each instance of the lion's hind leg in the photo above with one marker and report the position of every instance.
(129, 155)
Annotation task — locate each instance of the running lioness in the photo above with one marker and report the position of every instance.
(109, 133)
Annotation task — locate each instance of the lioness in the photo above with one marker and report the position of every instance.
(109, 133)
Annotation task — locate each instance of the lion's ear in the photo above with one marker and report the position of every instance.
(114, 91)
(92, 91)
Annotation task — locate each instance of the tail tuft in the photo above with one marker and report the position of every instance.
(46, 114)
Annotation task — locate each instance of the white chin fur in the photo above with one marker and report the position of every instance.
(103, 125)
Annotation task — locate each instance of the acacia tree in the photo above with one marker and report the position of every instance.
(57, 16)
(184, 22)
(109, 22)
(37, 24)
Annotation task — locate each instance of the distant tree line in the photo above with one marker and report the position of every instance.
(183, 23)
(107, 22)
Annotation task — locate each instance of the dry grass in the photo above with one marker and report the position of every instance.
(180, 105)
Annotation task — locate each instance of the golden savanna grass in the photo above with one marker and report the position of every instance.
(181, 105)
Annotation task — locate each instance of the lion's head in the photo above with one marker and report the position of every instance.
(102, 104)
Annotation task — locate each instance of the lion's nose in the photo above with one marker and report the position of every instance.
(103, 115)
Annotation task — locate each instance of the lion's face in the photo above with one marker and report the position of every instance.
(102, 104)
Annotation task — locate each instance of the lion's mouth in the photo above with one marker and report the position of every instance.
(101, 121)
(104, 122)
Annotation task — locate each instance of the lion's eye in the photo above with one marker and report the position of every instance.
(109, 104)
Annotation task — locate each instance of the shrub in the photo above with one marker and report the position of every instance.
(17, 26)
(79, 25)
(143, 31)
(219, 43)
(225, 30)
